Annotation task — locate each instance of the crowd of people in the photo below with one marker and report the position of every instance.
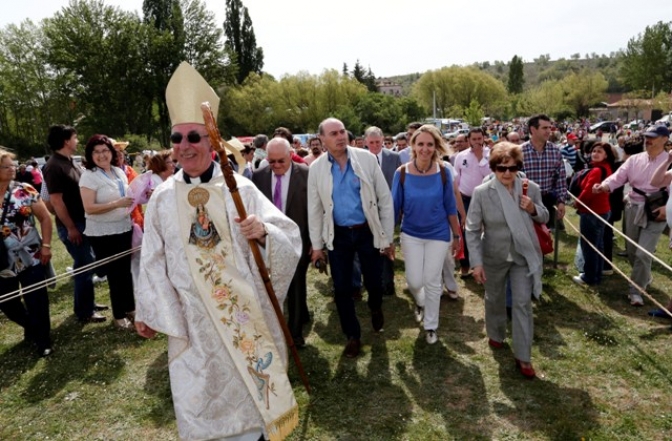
(473, 200)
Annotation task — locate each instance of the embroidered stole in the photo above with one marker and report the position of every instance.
(232, 305)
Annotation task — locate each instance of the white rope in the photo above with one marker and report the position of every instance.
(43, 284)
(639, 288)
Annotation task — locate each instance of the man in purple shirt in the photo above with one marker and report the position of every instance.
(637, 171)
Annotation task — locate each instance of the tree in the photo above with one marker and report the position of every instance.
(457, 86)
(516, 75)
(100, 52)
(30, 94)
(240, 40)
(166, 51)
(647, 61)
(345, 70)
(204, 45)
(358, 72)
(474, 114)
(584, 90)
(548, 98)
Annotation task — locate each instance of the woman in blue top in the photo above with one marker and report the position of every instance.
(424, 202)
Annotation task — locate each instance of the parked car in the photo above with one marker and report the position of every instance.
(455, 133)
(667, 119)
(605, 126)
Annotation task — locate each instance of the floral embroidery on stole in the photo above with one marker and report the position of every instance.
(232, 305)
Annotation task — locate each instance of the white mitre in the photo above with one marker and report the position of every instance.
(185, 93)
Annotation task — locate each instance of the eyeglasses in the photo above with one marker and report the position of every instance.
(102, 152)
(504, 168)
(279, 161)
(193, 137)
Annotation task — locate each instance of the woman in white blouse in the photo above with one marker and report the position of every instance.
(108, 223)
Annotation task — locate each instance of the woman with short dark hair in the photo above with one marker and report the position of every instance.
(108, 224)
(503, 245)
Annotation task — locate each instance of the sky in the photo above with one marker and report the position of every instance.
(403, 36)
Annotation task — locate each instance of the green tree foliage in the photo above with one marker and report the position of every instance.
(166, 51)
(647, 61)
(516, 75)
(458, 86)
(32, 95)
(546, 98)
(583, 90)
(474, 114)
(204, 45)
(241, 41)
(100, 52)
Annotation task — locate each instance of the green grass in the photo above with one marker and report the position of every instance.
(604, 371)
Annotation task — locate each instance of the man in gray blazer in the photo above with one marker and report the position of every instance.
(389, 162)
(285, 183)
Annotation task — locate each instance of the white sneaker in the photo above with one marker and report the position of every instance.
(636, 300)
(69, 270)
(97, 279)
(579, 280)
(419, 313)
(431, 337)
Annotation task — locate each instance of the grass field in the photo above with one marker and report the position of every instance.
(604, 371)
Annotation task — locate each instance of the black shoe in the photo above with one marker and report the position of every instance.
(508, 313)
(99, 307)
(299, 342)
(377, 320)
(357, 294)
(352, 348)
(389, 290)
(622, 253)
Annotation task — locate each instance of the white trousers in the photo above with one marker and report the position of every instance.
(424, 259)
(449, 270)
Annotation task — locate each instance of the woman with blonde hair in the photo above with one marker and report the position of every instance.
(27, 253)
(424, 203)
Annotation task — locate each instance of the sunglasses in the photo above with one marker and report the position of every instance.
(193, 137)
(504, 168)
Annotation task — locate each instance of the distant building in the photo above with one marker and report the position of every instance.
(389, 87)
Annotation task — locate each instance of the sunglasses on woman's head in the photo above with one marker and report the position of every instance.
(193, 137)
(503, 168)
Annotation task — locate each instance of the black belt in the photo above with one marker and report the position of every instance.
(354, 227)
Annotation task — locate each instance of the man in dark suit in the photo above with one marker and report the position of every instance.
(389, 162)
(285, 183)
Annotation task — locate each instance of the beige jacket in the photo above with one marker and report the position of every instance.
(375, 194)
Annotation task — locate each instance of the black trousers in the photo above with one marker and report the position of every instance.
(118, 271)
(297, 304)
(34, 315)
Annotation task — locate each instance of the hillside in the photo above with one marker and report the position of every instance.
(541, 69)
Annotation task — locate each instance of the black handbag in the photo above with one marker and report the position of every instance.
(4, 252)
(653, 201)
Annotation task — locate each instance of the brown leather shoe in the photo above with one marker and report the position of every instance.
(377, 319)
(352, 348)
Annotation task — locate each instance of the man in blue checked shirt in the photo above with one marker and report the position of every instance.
(542, 163)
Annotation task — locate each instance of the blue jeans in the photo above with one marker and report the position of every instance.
(82, 255)
(347, 243)
(592, 228)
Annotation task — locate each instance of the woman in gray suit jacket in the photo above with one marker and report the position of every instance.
(500, 220)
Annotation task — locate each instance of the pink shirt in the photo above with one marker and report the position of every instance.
(470, 171)
(637, 171)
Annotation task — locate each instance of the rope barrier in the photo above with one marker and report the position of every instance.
(637, 287)
(39, 285)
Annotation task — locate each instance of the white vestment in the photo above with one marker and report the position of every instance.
(210, 398)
